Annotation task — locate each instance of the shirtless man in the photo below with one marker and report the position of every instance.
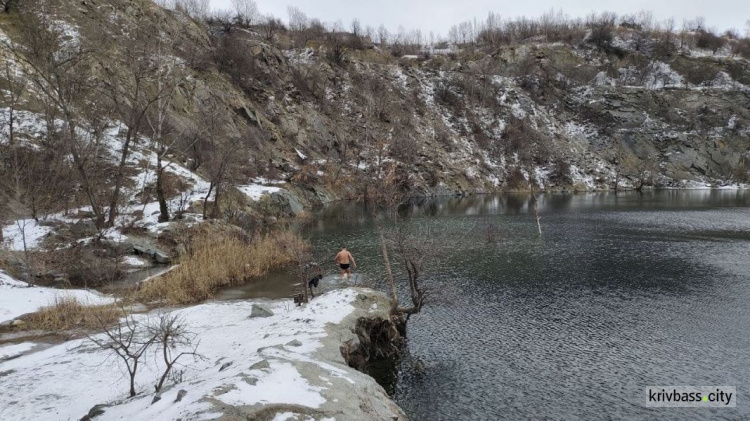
(345, 260)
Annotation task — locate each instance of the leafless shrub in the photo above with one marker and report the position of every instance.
(246, 12)
(270, 27)
(602, 29)
(742, 48)
(515, 179)
(561, 172)
(180, 205)
(197, 9)
(336, 46)
(710, 41)
(414, 247)
(299, 252)
(128, 341)
(174, 341)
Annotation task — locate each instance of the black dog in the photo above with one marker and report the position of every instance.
(314, 283)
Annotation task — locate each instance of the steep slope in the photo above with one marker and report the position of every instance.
(258, 124)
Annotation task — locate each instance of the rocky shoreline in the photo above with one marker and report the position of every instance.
(260, 359)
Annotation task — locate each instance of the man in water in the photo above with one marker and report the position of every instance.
(345, 260)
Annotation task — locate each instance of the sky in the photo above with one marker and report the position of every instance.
(439, 15)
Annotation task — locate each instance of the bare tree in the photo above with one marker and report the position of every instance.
(11, 96)
(602, 28)
(356, 27)
(134, 88)
(128, 342)
(645, 172)
(354, 40)
(197, 9)
(298, 20)
(163, 134)
(222, 151)
(336, 44)
(174, 341)
(413, 248)
(59, 69)
(247, 11)
(300, 253)
(387, 193)
(383, 36)
(6, 4)
(270, 27)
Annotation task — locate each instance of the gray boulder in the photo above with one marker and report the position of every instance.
(94, 412)
(181, 394)
(288, 201)
(259, 310)
(83, 228)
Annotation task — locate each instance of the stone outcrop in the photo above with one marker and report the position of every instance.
(348, 393)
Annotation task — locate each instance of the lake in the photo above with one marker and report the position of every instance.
(620, 292)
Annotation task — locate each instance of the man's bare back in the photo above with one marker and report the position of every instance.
(345, 259)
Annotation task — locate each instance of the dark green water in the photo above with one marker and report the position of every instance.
(619, 293)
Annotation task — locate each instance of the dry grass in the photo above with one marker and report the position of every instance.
(216, 261)
(68, 313)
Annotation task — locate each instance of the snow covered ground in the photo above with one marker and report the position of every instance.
(24, 234)
(255, 191)
(17, 298)
(253, 362)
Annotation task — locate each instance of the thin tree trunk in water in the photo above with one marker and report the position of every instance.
(387, 262)
(536, 214)
(163, 209)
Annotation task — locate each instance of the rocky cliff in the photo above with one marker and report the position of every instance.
(534, 114)
(121, 116)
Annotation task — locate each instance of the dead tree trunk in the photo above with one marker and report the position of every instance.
(160, 196)
(536, 215)
(387, 263)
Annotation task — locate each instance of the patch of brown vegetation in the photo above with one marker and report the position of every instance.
(219, 260)
(67, 313)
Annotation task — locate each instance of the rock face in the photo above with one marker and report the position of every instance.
(347, 393)
(564, 115)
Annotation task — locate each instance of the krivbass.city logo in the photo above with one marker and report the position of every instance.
(691, 396)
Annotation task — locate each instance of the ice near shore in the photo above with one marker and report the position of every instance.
(286, 366)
